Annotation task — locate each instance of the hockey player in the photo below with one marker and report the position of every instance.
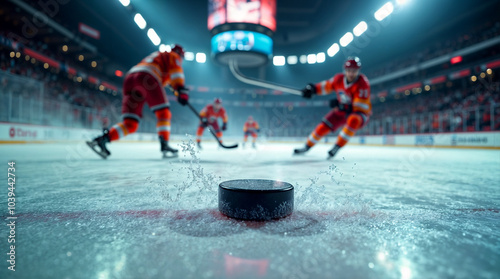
(351, 108)
(145, 83)
(251, 128)
(209, 115)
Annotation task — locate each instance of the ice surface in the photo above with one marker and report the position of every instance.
(373, 212)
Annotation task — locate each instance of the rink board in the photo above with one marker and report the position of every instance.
(21, 133)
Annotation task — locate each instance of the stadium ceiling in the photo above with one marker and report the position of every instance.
(302, 26)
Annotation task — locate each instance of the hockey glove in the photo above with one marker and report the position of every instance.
(204, 122)
(224, 126)
(183, 97)
(334, 103)
(308, 91)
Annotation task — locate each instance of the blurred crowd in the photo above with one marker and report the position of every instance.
(439, 48)
(450, 109)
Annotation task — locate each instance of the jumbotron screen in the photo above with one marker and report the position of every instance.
(242, 41)
(261, 12)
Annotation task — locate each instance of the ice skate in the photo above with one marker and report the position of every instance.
(165, 149)
(333, 151)
(99, 144)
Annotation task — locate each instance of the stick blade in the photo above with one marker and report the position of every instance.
(229, 146)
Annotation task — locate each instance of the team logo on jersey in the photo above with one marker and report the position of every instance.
(344, 98)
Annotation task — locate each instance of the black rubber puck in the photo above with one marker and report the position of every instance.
(255, 199)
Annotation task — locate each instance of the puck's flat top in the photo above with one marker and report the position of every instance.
(256, 185)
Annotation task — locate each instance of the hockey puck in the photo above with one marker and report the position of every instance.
(255, 199)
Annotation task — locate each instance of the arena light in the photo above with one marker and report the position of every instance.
(292, 60)
(402, 2)
(489, 71)
(125, 3)
(201, 57)
(154, 37)
(346, 39)
(303, 59)
(333, 50)
(384, 12)
(311, 58)
(140, 21)
(165, 48)
(279, 60)
(360, 28)
(456, 59)
(320, 57)
(189, 56)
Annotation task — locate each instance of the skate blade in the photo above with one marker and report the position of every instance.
(166, 155)
(93, 145)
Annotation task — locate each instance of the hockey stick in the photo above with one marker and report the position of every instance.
(211, 131)
(261, 83)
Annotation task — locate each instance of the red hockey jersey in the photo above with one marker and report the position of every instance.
(356, 93)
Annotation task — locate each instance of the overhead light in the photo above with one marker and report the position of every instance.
(303, 59)
(482, 75)
(81, 57)
(402, 2)
(188, 56)
(311, 58)
(125, 2)
(320, 57)
(333, 50)
(346, 39)
(93, 64)
(64, 48)
(360, 28)
(279, 60)
(473, 78)
(201, 57)
(489, 71)
(292, 60)
(154, 37)
(165, 48)
(140, 21)
(384, 12)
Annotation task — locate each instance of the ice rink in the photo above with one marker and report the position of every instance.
(372, 212)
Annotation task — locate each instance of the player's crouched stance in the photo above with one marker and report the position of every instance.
(145, 83)
(351, 109)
